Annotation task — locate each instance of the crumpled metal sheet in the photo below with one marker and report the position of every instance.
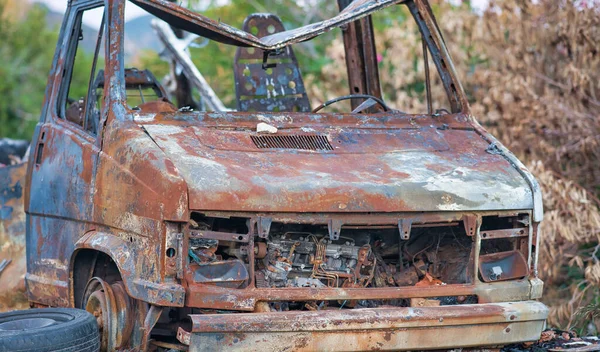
(190, 21)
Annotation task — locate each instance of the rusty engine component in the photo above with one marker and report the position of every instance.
(294, 256)
(307, 259)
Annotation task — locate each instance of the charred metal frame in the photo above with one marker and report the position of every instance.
(135, 209)
(361, 57)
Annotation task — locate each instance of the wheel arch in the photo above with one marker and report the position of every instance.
(122, 254)
(95, 254)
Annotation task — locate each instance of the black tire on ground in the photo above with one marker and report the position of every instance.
(49, 329)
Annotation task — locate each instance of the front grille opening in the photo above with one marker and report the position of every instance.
(503, 259)
(303, 255)
(498, 245)
(298, 142)
(216, 252)
(199, 221)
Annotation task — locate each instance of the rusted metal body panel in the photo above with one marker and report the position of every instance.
(411, 164)
(399, 329)
(62, 180)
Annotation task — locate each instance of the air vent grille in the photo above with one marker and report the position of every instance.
(301, 142)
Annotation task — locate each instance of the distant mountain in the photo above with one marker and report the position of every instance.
(139, 35)
(53, 19)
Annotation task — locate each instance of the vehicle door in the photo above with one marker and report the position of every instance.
(65, 151)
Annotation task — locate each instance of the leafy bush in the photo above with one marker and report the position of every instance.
(26, 59)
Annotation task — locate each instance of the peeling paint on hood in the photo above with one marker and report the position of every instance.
(395, 169)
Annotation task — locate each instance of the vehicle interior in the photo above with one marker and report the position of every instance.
(266, 72)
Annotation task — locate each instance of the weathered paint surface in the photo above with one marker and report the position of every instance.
(370, 329)
(388, 163)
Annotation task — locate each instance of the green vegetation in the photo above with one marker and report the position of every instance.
(26, 59)
(27, 50)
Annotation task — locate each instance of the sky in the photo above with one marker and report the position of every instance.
(132, 11)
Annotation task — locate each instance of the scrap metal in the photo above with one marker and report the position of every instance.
(374, 228)
(176, 49)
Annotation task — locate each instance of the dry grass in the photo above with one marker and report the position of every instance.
(537, 88)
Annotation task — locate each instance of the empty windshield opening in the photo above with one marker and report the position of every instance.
(296, 78)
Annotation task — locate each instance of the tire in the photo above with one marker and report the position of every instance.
(49, 329)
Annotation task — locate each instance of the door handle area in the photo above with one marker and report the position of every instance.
(39, 152)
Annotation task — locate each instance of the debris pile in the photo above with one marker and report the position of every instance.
(557, 340)
(12, 224)
(12, 151)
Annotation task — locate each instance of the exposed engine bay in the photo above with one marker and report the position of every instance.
(305, 260)
(235, 253)
(364, 258)
(305, 256)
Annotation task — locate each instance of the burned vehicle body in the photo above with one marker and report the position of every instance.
(374, 229)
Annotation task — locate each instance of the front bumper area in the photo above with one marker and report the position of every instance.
(390, 328)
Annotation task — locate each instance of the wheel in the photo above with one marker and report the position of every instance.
(112, 308)
(48, 329)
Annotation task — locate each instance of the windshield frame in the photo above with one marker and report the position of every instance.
(420, 9)
(193, 22)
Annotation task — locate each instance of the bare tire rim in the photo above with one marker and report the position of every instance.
(111, 306)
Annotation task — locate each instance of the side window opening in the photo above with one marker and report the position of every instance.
(143, 90)
(81, 99)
